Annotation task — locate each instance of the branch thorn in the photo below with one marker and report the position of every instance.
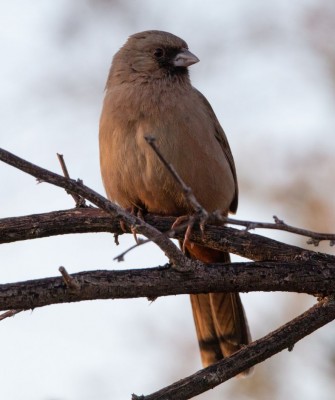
(69, 281)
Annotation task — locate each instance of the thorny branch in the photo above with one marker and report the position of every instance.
(86, 220)
(311, 278)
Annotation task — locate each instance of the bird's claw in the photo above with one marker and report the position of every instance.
(189, 221)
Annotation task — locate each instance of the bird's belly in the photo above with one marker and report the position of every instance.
(134, 176)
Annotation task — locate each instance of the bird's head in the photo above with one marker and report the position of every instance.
(152, 55)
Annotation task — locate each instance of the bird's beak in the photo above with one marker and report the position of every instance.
(184, 59)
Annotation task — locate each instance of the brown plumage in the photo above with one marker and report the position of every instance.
(148, 92)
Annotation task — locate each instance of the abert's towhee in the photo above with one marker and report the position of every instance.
(148, 92)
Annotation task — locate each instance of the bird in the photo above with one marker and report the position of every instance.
(149, 93)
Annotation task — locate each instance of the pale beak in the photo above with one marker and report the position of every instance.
(184, 59)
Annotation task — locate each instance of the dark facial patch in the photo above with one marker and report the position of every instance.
(165, 56)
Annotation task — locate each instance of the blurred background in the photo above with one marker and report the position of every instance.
(268, 69)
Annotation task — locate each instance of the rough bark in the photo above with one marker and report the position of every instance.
(88, 220)
(164, 281)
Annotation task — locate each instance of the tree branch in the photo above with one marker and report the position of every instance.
(86, 220)
(308, 278)
(283, 338)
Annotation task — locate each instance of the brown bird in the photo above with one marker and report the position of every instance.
(148, 92)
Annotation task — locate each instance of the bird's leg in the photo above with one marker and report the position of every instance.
(202, 224)
(134, 210)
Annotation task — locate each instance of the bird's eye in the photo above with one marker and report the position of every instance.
(158, 53)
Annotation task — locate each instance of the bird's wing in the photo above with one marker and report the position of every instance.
(222, 139)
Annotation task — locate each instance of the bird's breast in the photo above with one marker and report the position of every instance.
(133, 174)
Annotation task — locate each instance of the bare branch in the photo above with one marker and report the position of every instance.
(243, 243)
(315, 237)
(139, 242)
(299, 277)
(188, 193)
(283, 338)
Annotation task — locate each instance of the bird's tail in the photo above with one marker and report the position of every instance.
(219, 318)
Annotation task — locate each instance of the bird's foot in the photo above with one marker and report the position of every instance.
(189, 222)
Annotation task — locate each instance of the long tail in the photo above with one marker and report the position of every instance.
(219, 318)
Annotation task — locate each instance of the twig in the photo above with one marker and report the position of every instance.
(9, 314)
(315, 237)
(188, 193)
(139, 242)
(282, 338)
(80, 201)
